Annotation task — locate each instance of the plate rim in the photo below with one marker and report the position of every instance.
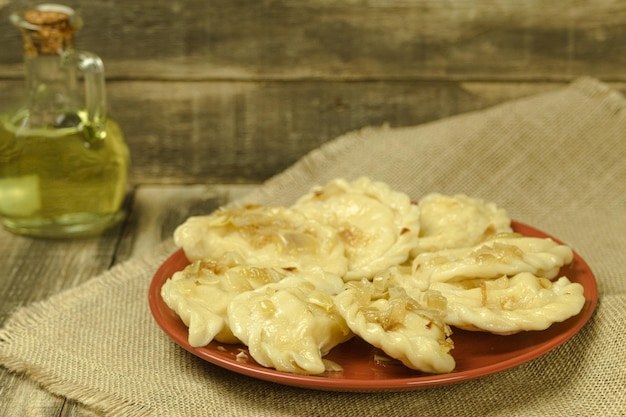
(323, 383)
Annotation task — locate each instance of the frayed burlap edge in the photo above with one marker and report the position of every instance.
(22, 319)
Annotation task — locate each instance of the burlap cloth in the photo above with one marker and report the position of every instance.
(555, 161)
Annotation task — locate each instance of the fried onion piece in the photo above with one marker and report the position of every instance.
(379, 226)
(387, 318)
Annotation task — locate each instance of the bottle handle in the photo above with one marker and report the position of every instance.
(92, 68)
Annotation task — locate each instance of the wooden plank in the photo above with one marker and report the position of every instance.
(226, 132)
(245, 132)
(22, 397)
(236, 132)
(356, 39)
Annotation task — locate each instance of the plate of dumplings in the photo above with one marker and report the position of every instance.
(357, 287)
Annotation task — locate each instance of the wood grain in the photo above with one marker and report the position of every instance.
(246, 132)
(235, 92)
(357, 39)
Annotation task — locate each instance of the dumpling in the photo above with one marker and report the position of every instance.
(510, 305)
(503, 255)
(290, 325)
(200, 294)
(274, 237)
(387, 318)
(379, 226)
(448, 222)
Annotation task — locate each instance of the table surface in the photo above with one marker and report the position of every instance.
(34, 269)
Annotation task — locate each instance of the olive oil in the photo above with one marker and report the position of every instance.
(63, 161)
(60, 181)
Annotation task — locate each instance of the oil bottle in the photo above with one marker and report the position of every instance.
(63, 162)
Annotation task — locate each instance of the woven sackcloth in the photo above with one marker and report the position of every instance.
(556, 161)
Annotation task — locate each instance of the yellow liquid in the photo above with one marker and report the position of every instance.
(55, 183)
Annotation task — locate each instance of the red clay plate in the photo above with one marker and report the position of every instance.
(476, 354)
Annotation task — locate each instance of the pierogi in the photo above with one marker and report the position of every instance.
(200, 294)
(289, 325)
(448, 222)
(390, 320)
(274, 237)
(379, 226)
(510, 305)
(507, 254)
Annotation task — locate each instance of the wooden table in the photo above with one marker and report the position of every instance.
(33, 269)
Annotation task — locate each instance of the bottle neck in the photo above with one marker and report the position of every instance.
(51, 90)
(43, 69)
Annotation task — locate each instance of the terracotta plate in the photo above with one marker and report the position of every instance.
(476, 354)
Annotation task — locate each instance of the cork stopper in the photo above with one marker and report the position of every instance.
(47, 29)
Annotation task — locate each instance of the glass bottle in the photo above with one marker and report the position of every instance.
(63, 162)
